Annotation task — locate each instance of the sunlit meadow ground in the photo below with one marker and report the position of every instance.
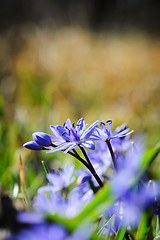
(48, 76)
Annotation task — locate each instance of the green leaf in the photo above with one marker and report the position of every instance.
(45, 167)
(143, 228)
(120, 234)
(149, 157)
(157, 236)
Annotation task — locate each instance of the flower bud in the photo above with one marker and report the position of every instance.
(42, 139)
(32, 145)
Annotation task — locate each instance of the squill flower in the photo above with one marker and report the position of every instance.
(107, 134)
(70, 136)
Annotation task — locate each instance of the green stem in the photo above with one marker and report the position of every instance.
(112, 153)
(92, 170)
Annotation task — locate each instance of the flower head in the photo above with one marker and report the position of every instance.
(41, 231)
(70, 135)
(61, 179)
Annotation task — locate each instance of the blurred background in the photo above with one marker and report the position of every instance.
(94, 59)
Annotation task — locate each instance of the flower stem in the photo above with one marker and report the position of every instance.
(92, 170)
(87, 163)
(80, 159)
(112, 154)
(75, 154)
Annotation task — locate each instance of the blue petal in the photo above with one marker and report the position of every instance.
(30, 217)
(32, 145)
(89, 130)
(88, 144)
(101, 134)
(122, 134)
(68, 124)
(109, 127)
(71, 147)
(42, 138)
(44, 189)
(80, 127)
(94, 137)
(54, 130)
(61, 147)
(63, 133)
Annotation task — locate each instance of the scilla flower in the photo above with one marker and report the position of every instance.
(107, 134)
(70, 136)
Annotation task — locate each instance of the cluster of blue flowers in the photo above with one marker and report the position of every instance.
(108, 156)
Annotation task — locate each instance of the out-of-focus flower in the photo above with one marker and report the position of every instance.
(50, 202)
(42, 231)
(130, 206)
(70, 136)
(132, 199)
(30, 218)
(100, 158)
(62, 178)
(46, 231)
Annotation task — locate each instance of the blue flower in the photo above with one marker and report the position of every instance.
(50, 202)
(46, 231)
(62, 179)
(107, 134)
(70, 136)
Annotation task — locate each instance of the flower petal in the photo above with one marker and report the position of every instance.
(94, 137)
(42, 138)
(71, 147)
(61, 147)
(68, 124)
(89, 130)
(102, 134)
(32, 145)
(54, 130)
(88, 144)
(80, 127)
(122, 134)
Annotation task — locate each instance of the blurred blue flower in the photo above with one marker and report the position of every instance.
(100, 158)
(129, 207)
(46, 231)
(42, 231)
(30, 217)
(50, 202)
(129, 167)
(134, 195)
(70, 136)
(62, 178)
(68, 202)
